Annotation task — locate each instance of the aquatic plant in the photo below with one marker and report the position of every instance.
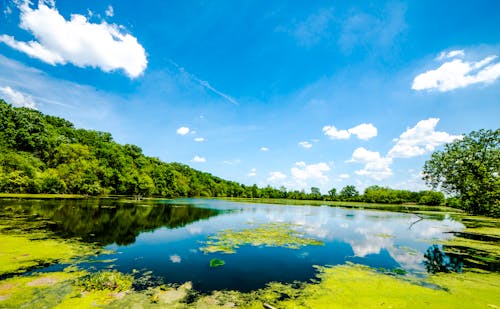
(269, 235)
(216, 262)
(105, 280)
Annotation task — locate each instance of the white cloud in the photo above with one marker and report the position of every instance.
(110, 12)
(458, 73)
(364, 131)
(198, 159)
(175, 258)
(420, 139)
(344, 176)
(302, 172)
(376, 166)
(451, 54)
(252, 173)
(183, 130)
(333, 133)
(17, 98)
(77, 41)
(305, 144)
(264, 149)
(276, 177)
(199, 139)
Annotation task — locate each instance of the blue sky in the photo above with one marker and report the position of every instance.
(268, 92)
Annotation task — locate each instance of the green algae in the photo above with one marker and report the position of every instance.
(216, 263)
(269, 235)
(19, 253)
(105, 280)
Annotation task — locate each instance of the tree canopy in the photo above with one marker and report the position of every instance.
(470, 169)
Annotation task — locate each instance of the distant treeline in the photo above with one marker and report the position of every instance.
(46, 154)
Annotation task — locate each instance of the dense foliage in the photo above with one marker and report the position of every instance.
(469, 168)
(47, 154)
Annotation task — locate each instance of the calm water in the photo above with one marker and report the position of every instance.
(164, 237)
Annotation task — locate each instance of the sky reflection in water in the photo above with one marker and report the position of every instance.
(374, 238)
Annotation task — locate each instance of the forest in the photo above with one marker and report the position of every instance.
(46, 154)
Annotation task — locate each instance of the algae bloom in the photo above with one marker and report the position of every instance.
(269, 235)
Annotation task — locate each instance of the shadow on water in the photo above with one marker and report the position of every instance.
(101, 221)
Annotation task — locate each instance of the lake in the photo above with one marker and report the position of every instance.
(174, 241)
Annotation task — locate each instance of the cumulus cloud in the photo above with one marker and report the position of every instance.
(276, 177)
(305, 144)
(264, 149)
(252, 173)
(303, 172)
(376, 166)
(334, 133)
(420, 139)
(198, 159)
(183, 130)
(77, 41)
(199, 139)
(364, 131)
(458, 73)
(17, 98)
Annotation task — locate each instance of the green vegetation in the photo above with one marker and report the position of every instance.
(105, 280)
(469, 168)
(269, 235)
(46, 154)
(217, 262)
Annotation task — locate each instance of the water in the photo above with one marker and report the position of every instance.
(165, 237)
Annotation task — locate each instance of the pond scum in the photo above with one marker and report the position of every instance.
(268, 235)
(344, 286)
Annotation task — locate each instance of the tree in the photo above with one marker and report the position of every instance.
(332, 194)
(348, 193)
(470, 169)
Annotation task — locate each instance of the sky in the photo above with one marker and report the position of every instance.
(281, 93)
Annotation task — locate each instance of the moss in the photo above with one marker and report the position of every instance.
(269, 235)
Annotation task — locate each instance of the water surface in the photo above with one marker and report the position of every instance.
(164, 238)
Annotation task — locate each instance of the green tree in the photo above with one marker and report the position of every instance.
(348, 193)
(470, 169)
(332, 194)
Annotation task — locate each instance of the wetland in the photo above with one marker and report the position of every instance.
(219, 253)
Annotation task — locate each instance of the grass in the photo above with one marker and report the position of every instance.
(41, 196)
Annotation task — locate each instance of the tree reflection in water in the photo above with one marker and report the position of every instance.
(436, 260)
(102, 221)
